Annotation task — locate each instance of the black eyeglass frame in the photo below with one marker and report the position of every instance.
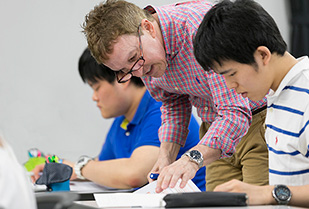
(127, 76)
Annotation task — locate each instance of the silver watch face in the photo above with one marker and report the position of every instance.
(82, 159)
(196, 155)
(282, 194)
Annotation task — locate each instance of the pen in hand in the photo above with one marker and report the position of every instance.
(154, 176)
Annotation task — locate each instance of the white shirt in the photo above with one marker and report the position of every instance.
(15, 187)
(287, 132)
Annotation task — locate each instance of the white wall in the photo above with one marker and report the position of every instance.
(44, 103)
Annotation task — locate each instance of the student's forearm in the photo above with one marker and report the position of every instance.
(300, 195)
(118, 173)
(125, 172)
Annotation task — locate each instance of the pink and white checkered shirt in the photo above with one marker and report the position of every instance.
(185, 83)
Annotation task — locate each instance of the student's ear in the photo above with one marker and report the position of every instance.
(148, 27)
(263, 54)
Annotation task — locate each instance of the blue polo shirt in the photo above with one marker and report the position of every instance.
(124, 137)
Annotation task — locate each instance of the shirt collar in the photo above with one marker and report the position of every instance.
(303, 63)
(142, 108)
(168, 28)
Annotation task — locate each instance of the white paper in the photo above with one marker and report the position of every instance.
(143, 197)
(150, 188)
(89, 186)
(129, 200)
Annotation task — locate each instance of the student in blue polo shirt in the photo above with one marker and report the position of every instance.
(131, 147)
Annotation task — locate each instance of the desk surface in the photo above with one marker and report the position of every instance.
(93, 204)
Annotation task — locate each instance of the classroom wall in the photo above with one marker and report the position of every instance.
(44, 104)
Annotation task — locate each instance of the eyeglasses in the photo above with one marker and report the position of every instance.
(123, 77)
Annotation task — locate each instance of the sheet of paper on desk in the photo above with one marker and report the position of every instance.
(111, 200)
(150, 188)
(88, 186)
(143, 197)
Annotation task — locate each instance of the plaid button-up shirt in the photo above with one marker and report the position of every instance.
(185, 83)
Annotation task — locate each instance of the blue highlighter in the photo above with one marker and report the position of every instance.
(154, 176)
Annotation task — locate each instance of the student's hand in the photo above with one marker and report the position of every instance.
(37, 172)
(257, 195)
(183, 169)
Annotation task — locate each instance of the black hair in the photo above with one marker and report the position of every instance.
(233, 31)
(91, 71)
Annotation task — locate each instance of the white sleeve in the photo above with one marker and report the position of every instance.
(304, 134)
(15, 187)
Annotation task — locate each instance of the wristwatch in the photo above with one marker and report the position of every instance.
(195, 156)
(82, 161)
(282, 194)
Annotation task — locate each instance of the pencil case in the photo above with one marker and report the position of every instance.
(56, 177)
(205, 199)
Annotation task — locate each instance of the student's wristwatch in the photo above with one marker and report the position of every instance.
(282, 194)
(195, 156)
(81, 162)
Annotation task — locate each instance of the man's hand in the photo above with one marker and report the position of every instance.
(167, 155)
(257, 195)
(184, 169)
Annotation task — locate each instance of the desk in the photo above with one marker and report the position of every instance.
(92, 204)
(65, 199)
(86, 189)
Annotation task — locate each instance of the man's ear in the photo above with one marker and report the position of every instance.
(263, 54)
(148, 26)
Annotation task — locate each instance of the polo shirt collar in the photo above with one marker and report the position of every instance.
(142, 109)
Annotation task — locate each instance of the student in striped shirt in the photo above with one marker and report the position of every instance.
(242, 42)
(155, 44)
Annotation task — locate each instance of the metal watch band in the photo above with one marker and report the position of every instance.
(83, 160)
(195, 156)
(282, 194)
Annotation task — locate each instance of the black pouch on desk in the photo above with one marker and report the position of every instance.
(205, 199)
(54, 173)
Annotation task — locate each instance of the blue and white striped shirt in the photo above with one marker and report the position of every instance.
(287, 132)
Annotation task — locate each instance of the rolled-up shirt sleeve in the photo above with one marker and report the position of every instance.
(232, 120)
(176, 113)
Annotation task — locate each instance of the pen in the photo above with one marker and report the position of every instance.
(154, 176)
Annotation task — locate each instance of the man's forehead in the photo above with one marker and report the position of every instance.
(121, 50)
